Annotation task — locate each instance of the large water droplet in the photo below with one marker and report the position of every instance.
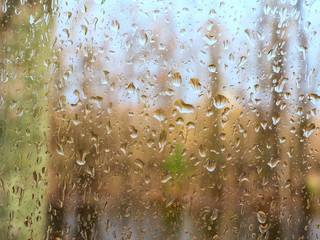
(183, 107)
(220, 101)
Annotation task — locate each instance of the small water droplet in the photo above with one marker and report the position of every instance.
(308, 130)
(162, 140)
(211, 165)
(159, 114)
(82, 160)
(138, 162)
(212, 68)
(176, 79)
(142, 37)
(262, 217)
(274, 162)
(280, 84)
(166, 177)
(115, 25)
(242, 61)
(131, 88)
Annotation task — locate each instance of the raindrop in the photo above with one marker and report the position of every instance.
(183, 107)
(262, 217)
(280, 85)
(138, 162)
(308, 130)
(242, 61)
(211, 165)
(195, 84)
(176, 79)
(212, 68)
(166, 177)
(314, 97)
(220, 101)
(162, 140)
(159, 114)
(115, 25)
(142, 37)
(131, 88)
(274, 162)
(82, 160)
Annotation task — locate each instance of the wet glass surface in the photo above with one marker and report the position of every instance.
(159, 119)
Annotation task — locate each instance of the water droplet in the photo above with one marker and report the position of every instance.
(82, 160)
(276, 68)
(262, 217)
(138, 162)
(142, 37)
(313, 98)
(242, 61)
(133, 132)
(280, 85)
(159, 114)
(147, 178)
(168, 92)
(195, 84)
(108, 127)
(162, 140)
(275, 120)
(308, 130)
(179, 121)
(183, 107)
(115, 25)
(220, 101)
(106, 79)
(286, 183)
(176, 79)
(274, 162)
(214, 215)
(212, 13)
(211, 165)
(212, 68)
(166, 177)
(210, 39)
(131, 88)
(85, 29)
(190, 125)
(202, 150)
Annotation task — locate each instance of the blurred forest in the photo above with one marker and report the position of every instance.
(162, 120)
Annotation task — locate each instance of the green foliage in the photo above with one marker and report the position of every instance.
(177, 165)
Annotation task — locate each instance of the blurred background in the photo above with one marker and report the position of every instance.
(159, 119)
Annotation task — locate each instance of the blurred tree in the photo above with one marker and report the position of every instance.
(25, 53)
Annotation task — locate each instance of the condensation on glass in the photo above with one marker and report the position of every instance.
(159, 119)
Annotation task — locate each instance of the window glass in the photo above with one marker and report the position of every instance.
(159, 119)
